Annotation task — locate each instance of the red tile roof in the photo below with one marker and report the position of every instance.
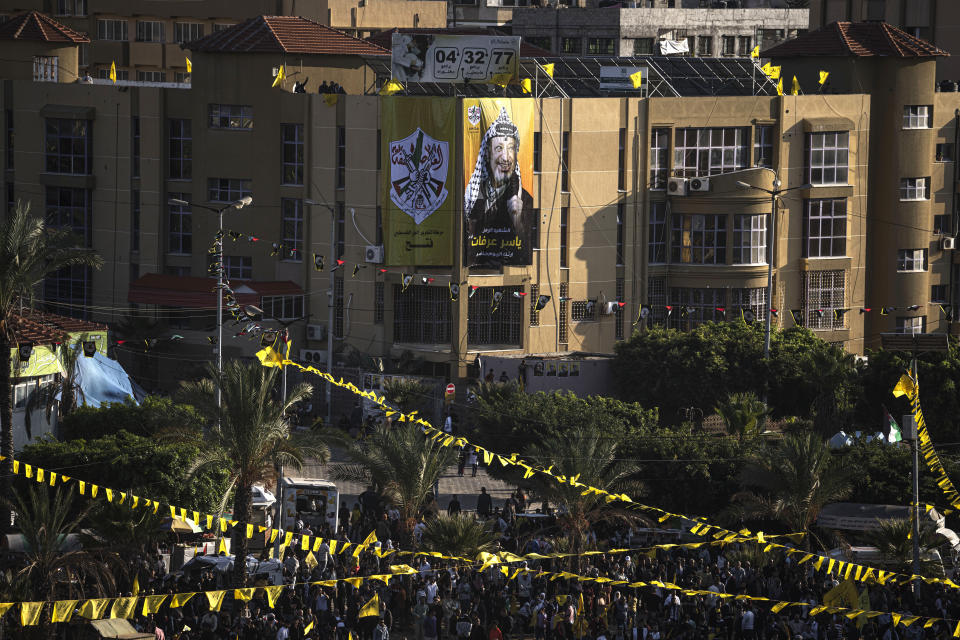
(35, 26)
(284, 34)
(40, 327)
(859, 39)
(527, 50)
(195, 292)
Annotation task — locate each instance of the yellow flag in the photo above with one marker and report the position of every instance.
(30, 613)
(244, 595)
(390, 87)
(637, 79)
(180, 599)
(905, 386)
(307, 628)
(281, 74)
(113, 72)
(151, 604)
(795, 89)
(63, 610)
(215, 599)
(844, 594)
(548, 68)
(269, 358)
(94, 609)
(372, 608)
(222, 546)
(756, 52)
(40, 474)
(273, 592)
(123, 607)
(4, 607)
(331, 99)
(527, 85)
(502, 79)
(136, 585)
(189, 66)
(310, 561)
(823, 76)
(780, 87)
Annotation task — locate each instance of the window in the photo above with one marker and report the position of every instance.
(83, 54)
(600, 47)
(938, 293)
(694, 306)
(220, 26)
(619, 315)
(827, 159)
(421, 314)
(151, 76)
(698, 239)
(707, 152)
(583, 311)
(341, 157)
(656, 300)
(911, 260)
(378, 302)
(657, 229)
(915, 188)
(750, 239)
(291, 139)
(563, 327)
(621, 213)
(104, 74)
(941, 224)
(69, 208)
(488, 327)
(68, 146)
(564, 224)
(187, 31)
(728, 45)
(570, 45)
(292, 229)
(112, 30)
(341, 230)
(704, 46)
(824, 292)
(622, 160)
(284, 307)
(67, 291)
(238, 267)
(228, 189)
(180, 140)
(534, 297)
(945, 152)
(565, 161)
(753, 299)
(643, 46)
(912, 324)
(917, 116)
(746, 45)
(135, 220)
(180, 239)
(825, 228)
(231, 116)
(149, 31)
(135, 134)
(537, 151)
(659, 148)
(46, 68)
(535, 229)
(181, 77)
(544, 42)
(71, 7)
(763, 145)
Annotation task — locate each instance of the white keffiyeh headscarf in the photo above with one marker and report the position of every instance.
(502, 126)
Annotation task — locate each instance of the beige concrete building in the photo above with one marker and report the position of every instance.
(636, 198)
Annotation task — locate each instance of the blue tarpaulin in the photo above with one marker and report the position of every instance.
(103, 380)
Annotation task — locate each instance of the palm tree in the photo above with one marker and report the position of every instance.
(592, 459)
(458, 535)
(742, 413)
(791, 481)
(895, 542)
(400, 463)
(410, 395)
(29, 252)
(247, 438)
(64, 394)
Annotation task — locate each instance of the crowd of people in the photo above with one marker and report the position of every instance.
(456, 600)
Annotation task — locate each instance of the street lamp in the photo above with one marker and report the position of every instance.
(246, 201)
(333, 245)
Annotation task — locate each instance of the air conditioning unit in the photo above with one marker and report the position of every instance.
(677, 186)
(609, 308)
(313, 356)
(316, 332)
(373, 253)
(948, 242)
(698, 184)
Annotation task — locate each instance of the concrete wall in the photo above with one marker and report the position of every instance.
(593, 375)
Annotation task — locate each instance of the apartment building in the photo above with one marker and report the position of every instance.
(143, 37)
(936, 21)
(635, 198)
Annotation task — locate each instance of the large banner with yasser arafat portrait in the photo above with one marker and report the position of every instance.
(498, 216)
(419, 140)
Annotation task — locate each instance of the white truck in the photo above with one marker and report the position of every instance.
(315, 501)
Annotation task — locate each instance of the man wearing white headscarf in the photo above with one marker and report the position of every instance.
(495, 203)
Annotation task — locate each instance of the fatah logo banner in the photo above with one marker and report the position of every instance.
(419, 138)
(499, 219)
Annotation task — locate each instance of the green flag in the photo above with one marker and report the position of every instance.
(895, 434)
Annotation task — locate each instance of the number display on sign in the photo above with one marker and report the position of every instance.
(475, 63)
(446, 62)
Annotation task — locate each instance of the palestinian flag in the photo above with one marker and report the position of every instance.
(895, 434)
